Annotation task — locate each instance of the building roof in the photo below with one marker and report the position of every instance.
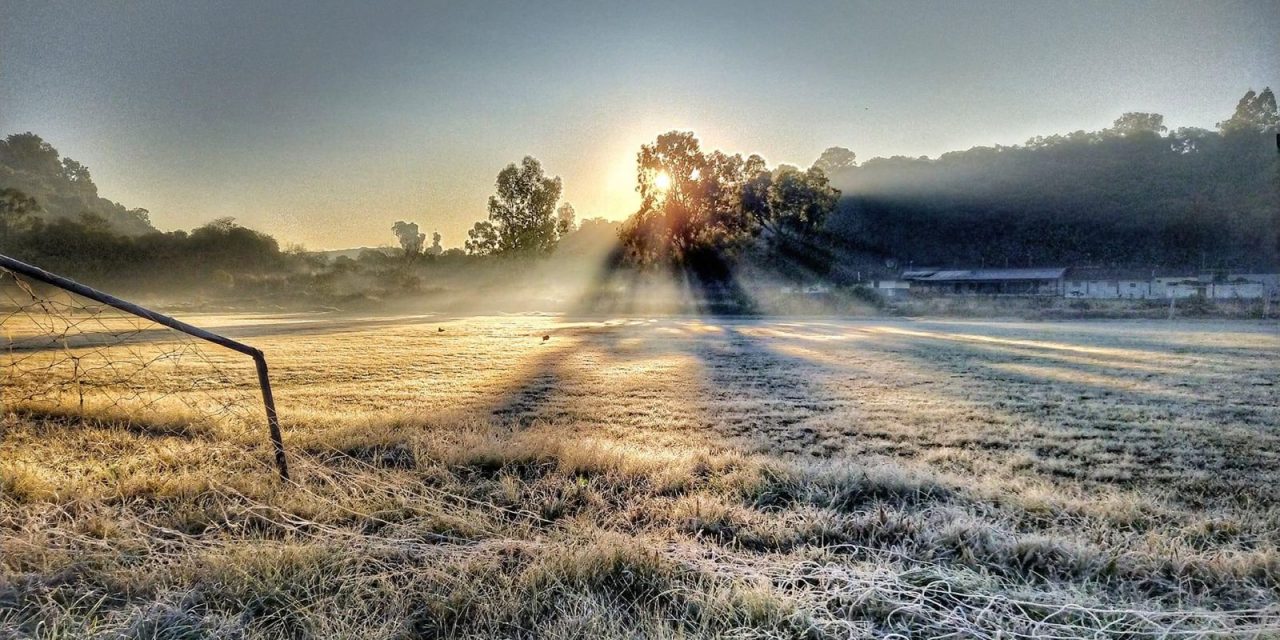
(987, 275)
(1122, 273)
(919, 272)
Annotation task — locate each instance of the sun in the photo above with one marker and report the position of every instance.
(662, 181)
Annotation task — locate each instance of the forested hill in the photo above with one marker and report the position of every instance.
(1129, 195)
(61, 187)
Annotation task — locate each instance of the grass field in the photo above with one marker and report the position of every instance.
(673, 477)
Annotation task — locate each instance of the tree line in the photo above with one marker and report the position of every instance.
(1134, 194)
(66, 228)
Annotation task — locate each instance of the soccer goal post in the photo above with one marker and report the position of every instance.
(69, 349)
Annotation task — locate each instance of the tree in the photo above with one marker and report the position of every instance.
(689, 201)
(225, 243)
(698, 204)
(141, 215)
(78, 174)
(29, 153)
(94, 223)
(482, 239)
(63, 186)
(1256, 112)
(223, 225)
(15, 212)
(835, 159)
(1138, 123)
(565, 220)
(435, 249)
(522, 211)
(798, 202)
(410, 239)
(1189, 139)
(757, 185)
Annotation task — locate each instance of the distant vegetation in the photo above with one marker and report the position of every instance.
(62, 187)
(51, 216)
(1133, 194)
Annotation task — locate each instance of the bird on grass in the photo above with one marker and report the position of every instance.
(546, 338)
(440, 330)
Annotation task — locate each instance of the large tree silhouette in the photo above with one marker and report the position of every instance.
(696, 205)
(523, 210)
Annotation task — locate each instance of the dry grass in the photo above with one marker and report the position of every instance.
(674, 478)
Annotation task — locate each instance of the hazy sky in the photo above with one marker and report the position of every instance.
(325, 123)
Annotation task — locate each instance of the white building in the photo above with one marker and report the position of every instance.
(1148, 284)
(1247, 286)
(1180, 287)
(1236, 289)
(1083, 283)
(1111, 284)
(891, 288)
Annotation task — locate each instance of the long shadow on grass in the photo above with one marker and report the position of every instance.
(696, 371)
(1081, 412)
(616, 373)
(1076, 420)
(758, 391)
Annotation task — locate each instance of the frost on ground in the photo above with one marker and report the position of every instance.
(674, 477)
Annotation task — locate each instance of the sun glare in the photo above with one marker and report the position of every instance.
(662, 181)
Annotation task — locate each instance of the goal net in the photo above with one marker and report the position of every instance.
(73, 355)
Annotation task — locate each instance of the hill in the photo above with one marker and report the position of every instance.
(1129, 195)
(62, 188)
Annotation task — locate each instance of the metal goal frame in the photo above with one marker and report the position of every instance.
(259, 360)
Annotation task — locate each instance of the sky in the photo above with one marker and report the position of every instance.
(324, 123)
